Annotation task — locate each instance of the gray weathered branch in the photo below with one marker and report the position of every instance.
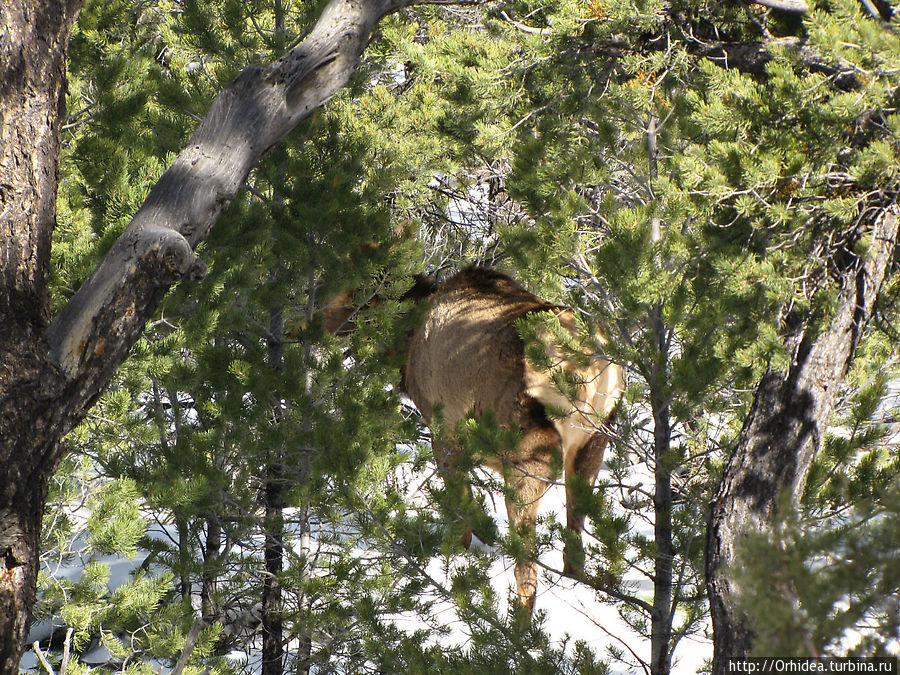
(794, 6)
(752, 57)
(93, 333)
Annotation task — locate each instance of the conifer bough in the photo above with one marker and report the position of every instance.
(52, 371)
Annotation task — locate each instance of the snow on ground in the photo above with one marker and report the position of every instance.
(571, 609)
(120, 570)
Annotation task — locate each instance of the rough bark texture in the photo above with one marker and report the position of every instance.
(781, 435)
(32, 92)
(51, 374)
(663, 579)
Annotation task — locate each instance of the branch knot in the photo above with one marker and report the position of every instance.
(173, 255)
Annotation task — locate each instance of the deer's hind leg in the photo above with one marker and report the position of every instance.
(461, 501)
(529, 477)
(582, 468)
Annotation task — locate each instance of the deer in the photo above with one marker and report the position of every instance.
(466, 357)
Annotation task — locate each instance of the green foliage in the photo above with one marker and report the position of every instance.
(88, 604)
(826, 586)
(115, 523)
(759, 191)
(234, 388)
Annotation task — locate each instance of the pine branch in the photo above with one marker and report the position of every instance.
(752, 57)
(600, 586)
(749, 56)
(43, 658)
(93, 333)
(189, 644)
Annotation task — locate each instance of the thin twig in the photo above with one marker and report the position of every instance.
(67, 645)
(42, 658)
(189, 645)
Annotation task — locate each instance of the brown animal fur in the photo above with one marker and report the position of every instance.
(468, 358)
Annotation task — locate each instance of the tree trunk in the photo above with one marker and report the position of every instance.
(273, 523)
(661, 616)
(51, 374)
(304, 647)
(782, 434)
(209, 587)
(272, 628)
(32, 90)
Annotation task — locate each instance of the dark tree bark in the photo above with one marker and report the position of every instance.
(663, 579)
(783, 432)
(51, 373)
(212, 554)
(272, 625)
(273, 523)
(33, 43)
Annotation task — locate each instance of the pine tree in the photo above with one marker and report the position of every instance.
(694, 175)
(550, 167)
(236, 417)
(825, 581)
